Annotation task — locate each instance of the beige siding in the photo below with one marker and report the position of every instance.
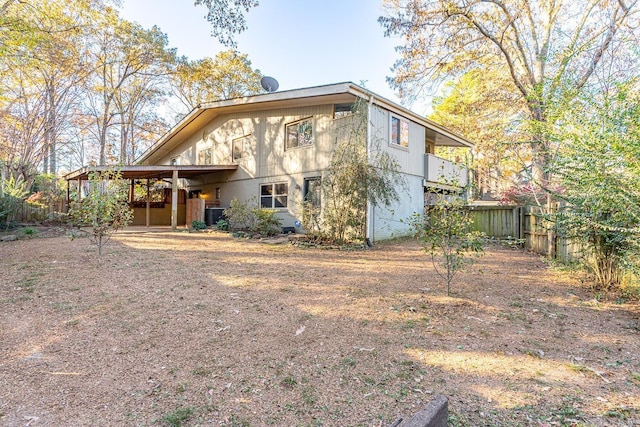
(393, 221)
(267, 155)
(409, 158)
(267, 159)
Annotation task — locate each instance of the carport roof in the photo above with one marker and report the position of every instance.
(150, 172)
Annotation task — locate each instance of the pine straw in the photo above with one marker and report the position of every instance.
(202, 329)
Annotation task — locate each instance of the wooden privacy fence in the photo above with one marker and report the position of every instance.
(31, 212)
(501, 222)
(527, 224)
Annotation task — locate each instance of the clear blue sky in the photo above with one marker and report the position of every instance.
(301, 43)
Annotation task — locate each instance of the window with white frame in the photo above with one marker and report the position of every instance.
(240, 147)
(274, 195)
(299, 134)
(399, 132)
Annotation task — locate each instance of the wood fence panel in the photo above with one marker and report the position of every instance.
(527, 223)
(30, 212)
(496, 221)
(535, 230)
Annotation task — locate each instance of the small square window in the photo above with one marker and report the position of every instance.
(299, 134)
(274, 195)
(399, 132)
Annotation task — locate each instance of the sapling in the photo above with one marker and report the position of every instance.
(105, 209)
(444, 233)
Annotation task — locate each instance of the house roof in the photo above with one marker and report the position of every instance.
(148, 172)
(319, 95)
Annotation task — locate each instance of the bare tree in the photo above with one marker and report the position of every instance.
(124, 55)
(549, 48)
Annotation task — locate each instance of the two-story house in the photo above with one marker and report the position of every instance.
(275, 147)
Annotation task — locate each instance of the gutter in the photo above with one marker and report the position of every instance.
(370, 220)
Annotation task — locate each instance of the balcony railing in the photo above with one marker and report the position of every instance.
(441, 172)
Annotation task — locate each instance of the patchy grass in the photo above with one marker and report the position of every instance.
(179, 416)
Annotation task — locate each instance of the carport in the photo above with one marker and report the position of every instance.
(155, 172)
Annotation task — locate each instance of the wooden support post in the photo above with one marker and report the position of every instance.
(148, 204)
(68, 196)
(174, 200)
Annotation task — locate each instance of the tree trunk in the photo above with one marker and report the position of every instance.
(123, 143)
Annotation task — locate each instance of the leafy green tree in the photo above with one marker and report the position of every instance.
(599, 169)
(483, 105)
(360, 172)
(549, 50)
(105, 209)
(12, 191)
(42, 67)
(444, 231)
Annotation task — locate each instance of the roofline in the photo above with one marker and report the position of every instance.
(399, 109)
(310, 92)
(147, 171)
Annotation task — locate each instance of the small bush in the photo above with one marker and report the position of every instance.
(239, 215)
(14, 191)
(256, 219)
(267, 222)
(28, 231)
(105, 209)
(198, 225)
(222, 225)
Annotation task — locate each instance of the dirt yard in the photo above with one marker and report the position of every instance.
(203, 330)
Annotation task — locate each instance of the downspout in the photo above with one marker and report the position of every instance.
(369, 235)
(174, 199)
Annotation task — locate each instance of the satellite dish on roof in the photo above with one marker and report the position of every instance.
(269, 84)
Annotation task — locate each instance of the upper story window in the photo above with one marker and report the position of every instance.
(299, 134)
(205, 157)
(274, 195)
(241, 147)
(399, 132)
(342, 110)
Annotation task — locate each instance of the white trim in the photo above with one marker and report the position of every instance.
(273, 195)
(264, 100)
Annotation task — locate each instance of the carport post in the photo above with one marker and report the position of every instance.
(147, 206)
(174, 200)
